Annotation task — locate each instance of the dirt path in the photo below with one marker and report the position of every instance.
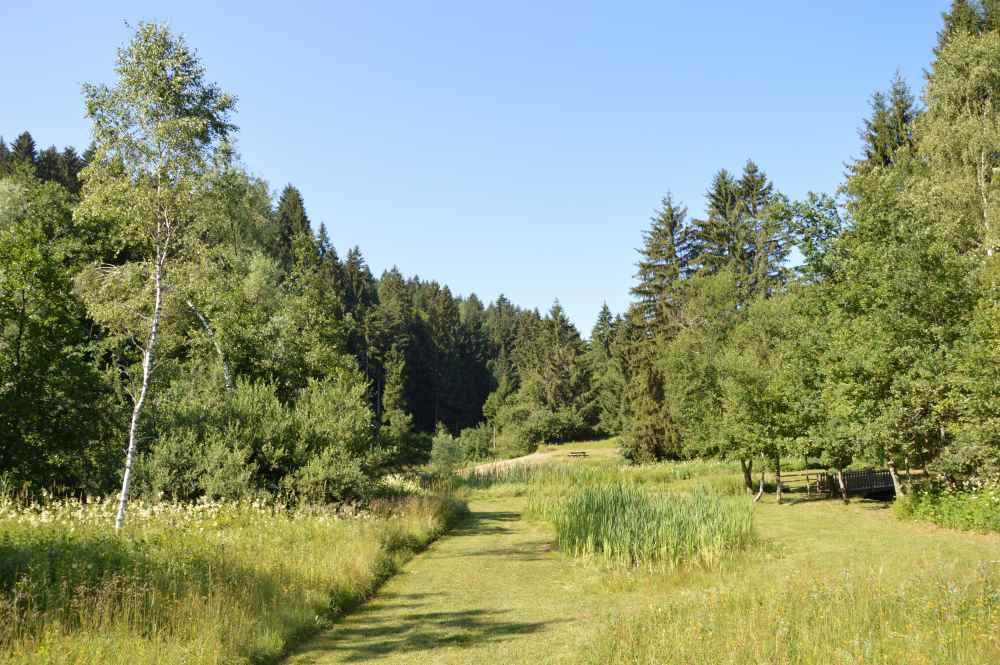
(493, 591)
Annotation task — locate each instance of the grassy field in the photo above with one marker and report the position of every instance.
(822, 583)
(579, 561)
(208, 583)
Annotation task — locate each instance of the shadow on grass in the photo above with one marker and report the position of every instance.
(485, 523)
(380, 630)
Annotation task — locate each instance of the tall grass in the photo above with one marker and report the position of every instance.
(208, 583)
(972, 509)
(943, 614)
(621, 517)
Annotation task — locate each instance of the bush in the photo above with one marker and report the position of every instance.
(247, 442)
(446, 453)
(975, 508)
(476, 442)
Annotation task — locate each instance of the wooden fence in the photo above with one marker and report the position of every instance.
(868, 482)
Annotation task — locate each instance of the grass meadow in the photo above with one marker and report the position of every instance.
(810, 582)
(206, 583)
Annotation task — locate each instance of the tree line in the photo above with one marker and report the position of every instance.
(167, 324)
(157, 303)
(879, 343)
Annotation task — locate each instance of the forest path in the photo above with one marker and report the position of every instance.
(492, 591)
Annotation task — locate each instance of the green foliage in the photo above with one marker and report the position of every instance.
(247, 443)
(446, 453)
(974, 508)
(56, 411)
(554, 402)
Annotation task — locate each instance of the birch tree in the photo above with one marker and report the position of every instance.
(156, 131)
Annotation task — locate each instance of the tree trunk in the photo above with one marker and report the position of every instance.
(760, 492)
(226, 373)
(147, 371)
(896, 485)
(747, 466)
(982, 171)
(843, 486)
(777, 477)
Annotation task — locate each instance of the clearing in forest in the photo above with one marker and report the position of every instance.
(827, 583)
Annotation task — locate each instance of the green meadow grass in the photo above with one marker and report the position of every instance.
(205, 583)
(829, 584)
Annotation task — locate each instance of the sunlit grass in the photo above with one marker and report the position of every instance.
(623, 525)
(208, 583)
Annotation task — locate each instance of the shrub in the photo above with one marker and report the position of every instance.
(247, 442)
(975, 508)
(446, 453)
(476, 442)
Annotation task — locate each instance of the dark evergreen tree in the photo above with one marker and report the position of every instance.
(359, 284)
(4, 157)
(48, 165)
(661, 264)
(292, 221)
(607, 372)
(743, 232)
(890, 126)
(963, 16)
(23, 149)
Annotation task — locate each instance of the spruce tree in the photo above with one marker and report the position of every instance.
(23, 149)
(607, 374)
(963, 17)
(48, 165)
(4, 157)
(292, 221)
(662, 264)
(890, 126)
(741, 232)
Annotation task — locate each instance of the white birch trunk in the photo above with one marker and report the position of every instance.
(226, 374)
(981, 175)
(896, 485)
(147, 370)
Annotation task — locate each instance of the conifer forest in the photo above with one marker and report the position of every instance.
(225, 438)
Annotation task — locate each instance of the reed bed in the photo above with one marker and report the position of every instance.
(608, 514)
(205, 583)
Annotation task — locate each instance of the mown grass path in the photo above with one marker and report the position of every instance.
(495, 591)
(492, 591)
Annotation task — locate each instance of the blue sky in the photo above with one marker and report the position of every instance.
(515, 147)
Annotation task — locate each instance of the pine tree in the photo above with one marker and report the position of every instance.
(395, 412)
(963, 17)
(359, 283)
(741, 232)
(607, 373)
(715, 239)
(4, 157)
(890, 126)
(662, 264)
(23, 149)
(47, 165)
(603, 333)
(292, 221)
(70, 165)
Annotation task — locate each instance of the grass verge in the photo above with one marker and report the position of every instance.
(208, 583)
